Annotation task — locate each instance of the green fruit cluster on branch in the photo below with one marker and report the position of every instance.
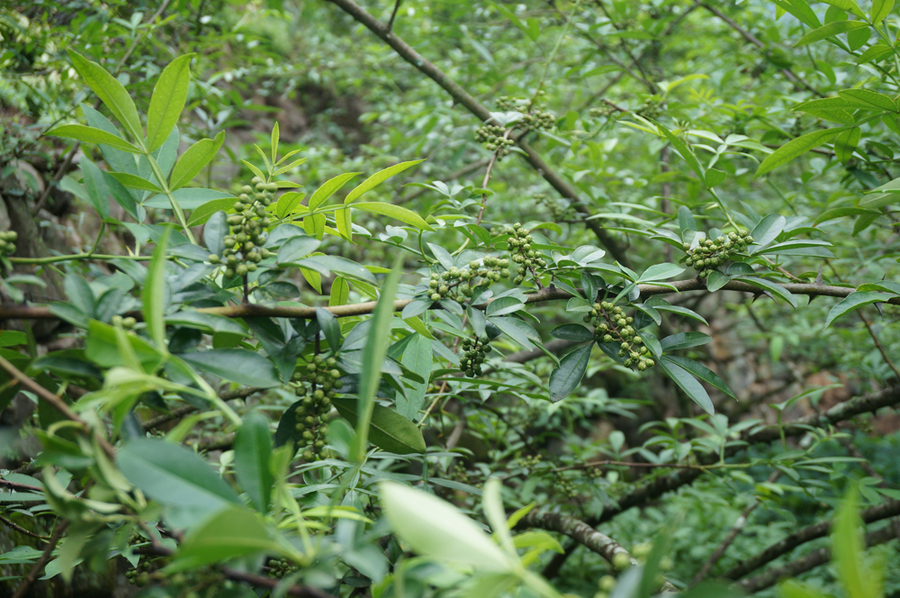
(8, 242)
(611, 325)
(474, 353)
(494, 138)
(710, 254)
(316, 384)
(559, 210)
(520, 245)
(459, 283)
(533, 118)
(243, 247)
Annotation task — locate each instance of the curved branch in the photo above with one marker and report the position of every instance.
(582, 533)
(810, 561)
(841, 412)
(463, 97)
(28, 312)
(807, 534)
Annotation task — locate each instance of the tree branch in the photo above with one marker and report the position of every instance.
(843, 411)
(807, 534)
(479, 110)
(27, 312)
(42, 561)
(810, 561)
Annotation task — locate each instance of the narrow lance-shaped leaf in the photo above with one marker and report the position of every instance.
(154, 293)
(167, 101)
(388, 430)
(795, 148)
(830, 30)
(373, 356)
(112, 93)
(252, 449)
(687, 383)
(92, 135)
(193, 160)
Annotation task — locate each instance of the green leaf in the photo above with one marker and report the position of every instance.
(95, 185)
(193, 160)
(701, 371)
(167, 101)
(252, 449)
(296, 248)
(435, 528)
(872, 99)
(329, 188)
(287, 202)
(154, 293)
(767, 230)
(77, 536)
(378, 178)
(92, 135)
(658, 272)
(684, 151)
(133, 181)
(503, 306)
(201, 215)
(687, 383)
(572, 332)
(418, 358)
(848, 551)
(854, 301)
(231, 533)
(396, 212)
(845, 144)
(567, 377)
(388, 430)
(795, 148)
(847, 6)
(518, 330)
(236, 365)
(775, 289)
(829, 30)
(112, 93)
(880, 9)
(684, 340)
(174, 476)
(801, 10)
(374, 354)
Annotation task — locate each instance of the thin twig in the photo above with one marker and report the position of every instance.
(32, 575)
(57, 403)
(15, 526)
(737, 529)
(878, 344)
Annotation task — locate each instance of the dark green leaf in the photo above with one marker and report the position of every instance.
(236, 365)
(700, 371)
(572, 332)
(687, 383)
(568, 375)
(388, 430)
(252, 449)
(852, 302)
(795, 148)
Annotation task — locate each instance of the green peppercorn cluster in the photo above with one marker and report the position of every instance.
(8, 242)
(128, 323)
(140, 575)
(565, 488)
(494, 138)
(243, 247)
(651, 108)
(281, 568)
(560, 211)
(532, 120)
(603, 111)
(530, 461)
(457, 283)
(709, 254)
(611, 325)
(316, 383)
(519, 244)
(474, 353)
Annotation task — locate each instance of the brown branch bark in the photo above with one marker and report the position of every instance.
(42, 561)
(28, 312)
(673, 481)
(810, 561)
(460, 95)
(807, 534)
